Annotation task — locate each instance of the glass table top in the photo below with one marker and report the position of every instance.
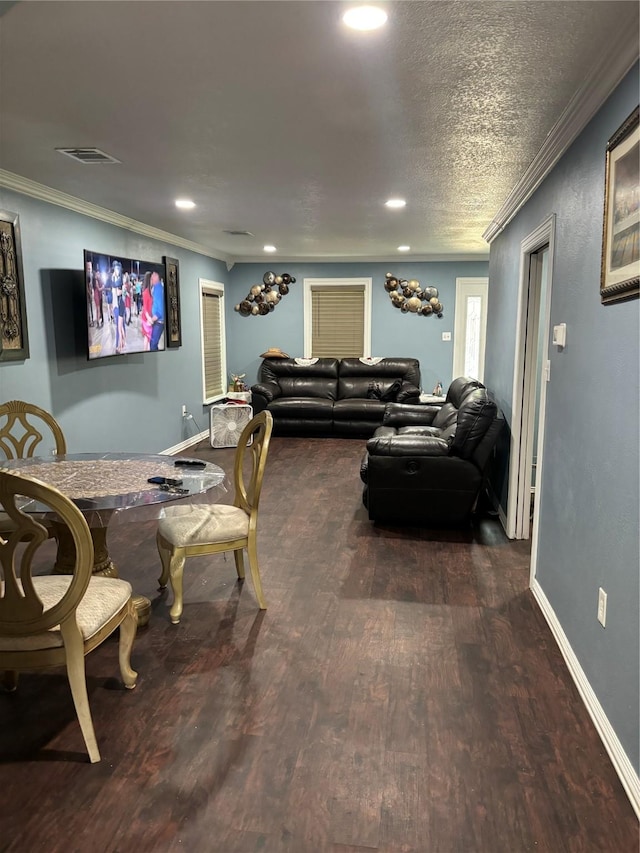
(104, 485)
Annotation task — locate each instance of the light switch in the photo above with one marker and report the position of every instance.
(446, 336)
(560, 335)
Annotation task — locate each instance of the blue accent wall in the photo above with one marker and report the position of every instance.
(132, 402)
(135, 401)
(392, 332)
(589, 504)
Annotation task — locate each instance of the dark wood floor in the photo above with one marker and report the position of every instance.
(401, 693)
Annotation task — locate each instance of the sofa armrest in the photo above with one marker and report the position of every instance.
(408, 393)
(262, 394)
(406, 414)
(407, 445)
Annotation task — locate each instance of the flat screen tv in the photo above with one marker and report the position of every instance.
(126, 305)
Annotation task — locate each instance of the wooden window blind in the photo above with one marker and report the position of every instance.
(337, 324)
(214, 378)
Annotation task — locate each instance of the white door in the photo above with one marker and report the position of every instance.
(470, 327)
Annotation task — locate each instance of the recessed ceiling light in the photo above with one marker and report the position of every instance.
(365, 18)
(270, 249)
(395, 202)
(185, 203)
(404, 248)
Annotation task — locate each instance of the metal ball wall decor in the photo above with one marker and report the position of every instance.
(263, 298)
(410, 298)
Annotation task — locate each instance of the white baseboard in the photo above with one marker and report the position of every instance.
(622, 765)
(185, 445)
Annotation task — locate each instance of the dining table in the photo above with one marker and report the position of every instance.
(114, 487)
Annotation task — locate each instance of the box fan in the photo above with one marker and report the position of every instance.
(226, 422)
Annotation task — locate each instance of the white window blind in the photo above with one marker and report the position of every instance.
(338, 321)
(213, 354)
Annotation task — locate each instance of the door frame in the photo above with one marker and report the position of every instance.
(523, 399)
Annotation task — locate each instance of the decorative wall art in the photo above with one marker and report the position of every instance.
(410, 298)
(14, 341)
(263, 298)
(620, 272)
(173, 328)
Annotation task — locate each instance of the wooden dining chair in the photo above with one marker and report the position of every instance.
(26, 429)
(54, 620)
(189, 531)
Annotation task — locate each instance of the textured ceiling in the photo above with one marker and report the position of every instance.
(276, 119)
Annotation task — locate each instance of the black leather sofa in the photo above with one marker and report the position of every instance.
(426, 465)
(333, 396)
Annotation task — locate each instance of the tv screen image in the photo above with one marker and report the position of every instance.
(126, 305)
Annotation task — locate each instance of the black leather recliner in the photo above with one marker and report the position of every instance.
(426, 465)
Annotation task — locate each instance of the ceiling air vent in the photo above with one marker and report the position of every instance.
(234, 233)
(88, 156)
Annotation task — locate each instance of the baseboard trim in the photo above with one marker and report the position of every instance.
(622, 765)
(185, 445)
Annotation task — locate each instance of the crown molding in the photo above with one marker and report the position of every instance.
(605, 75)
(403, 258)
(10, 181)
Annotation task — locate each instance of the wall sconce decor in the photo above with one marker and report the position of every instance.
(14, 342)
(263, 298)
(173, 328)
(410, 298)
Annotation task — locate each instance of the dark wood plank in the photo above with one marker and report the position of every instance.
(401, 693)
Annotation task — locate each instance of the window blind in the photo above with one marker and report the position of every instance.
(214, 381)
(337, 321)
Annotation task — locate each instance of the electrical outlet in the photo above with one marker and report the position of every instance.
(446, 336)
(184, 410)
(602, 607)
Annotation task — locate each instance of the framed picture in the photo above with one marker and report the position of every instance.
(174, 327)
(14, 340)
(620, 272)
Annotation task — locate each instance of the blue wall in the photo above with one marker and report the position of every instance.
(589, 503)
(133, 402)
(392, 332)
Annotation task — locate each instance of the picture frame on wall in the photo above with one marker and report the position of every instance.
(620, 273)
(173, 328)
(14, 339)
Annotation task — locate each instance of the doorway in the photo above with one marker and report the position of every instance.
(470, 327)
(531, 374)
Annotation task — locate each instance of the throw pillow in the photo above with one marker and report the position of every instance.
(391, 394)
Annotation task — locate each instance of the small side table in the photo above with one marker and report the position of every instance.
(432, 399)
(243, 396)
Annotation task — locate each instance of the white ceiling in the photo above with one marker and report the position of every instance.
(274, 118)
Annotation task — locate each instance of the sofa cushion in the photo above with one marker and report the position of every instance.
(447, 415)
(302, 407)
(362, 410)
(275, 369)
(407, 369)
(475, 416)
(460, 388)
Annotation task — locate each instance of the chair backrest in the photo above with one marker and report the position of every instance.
(248, 483)
(20, 435)
(21, 609)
